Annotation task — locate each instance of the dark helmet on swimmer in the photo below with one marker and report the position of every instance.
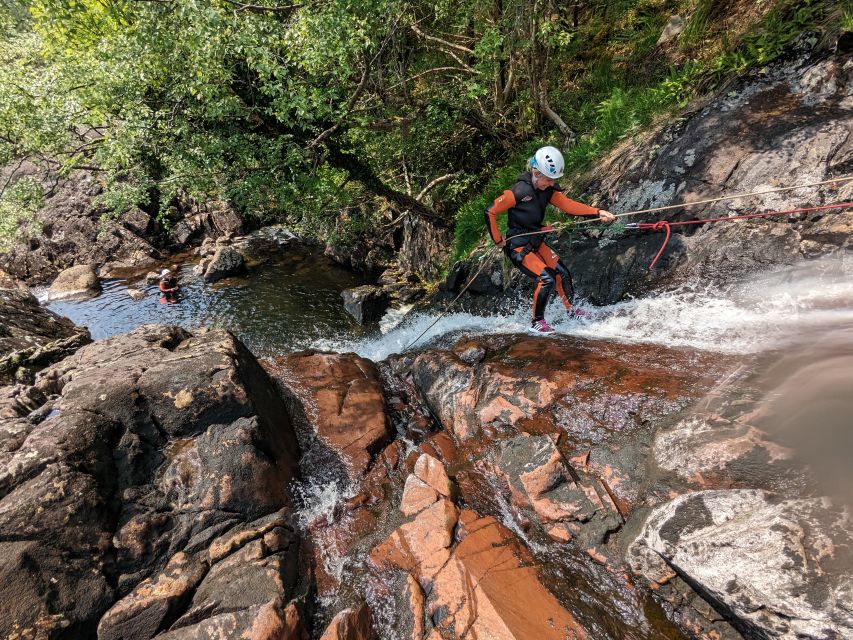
(549, 162)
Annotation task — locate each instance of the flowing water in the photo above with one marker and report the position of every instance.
(287, 305)
(764, 312)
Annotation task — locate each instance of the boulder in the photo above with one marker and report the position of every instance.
(417, 496)
(32, 337)
(227, 261)
(143, 612)
(490, 587)
(337, 404)
(415, 598)
(433, 473)
(125, 464)
(78, 281)
(272, 620)
(136, 294)
(673, 29)
(562, 384)
(479, 579)
(568, 503)
(778, 568)
(75, 230)
(366, 304)
(351, 624)
(421, 546)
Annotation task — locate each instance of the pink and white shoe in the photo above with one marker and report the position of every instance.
(540, 326)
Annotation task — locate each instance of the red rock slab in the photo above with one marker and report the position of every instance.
(351, 624)
(342, 398)
(417, 496)
(432, 472)
(518, 378)
(490, 588)
(416, 607)
(420, 547)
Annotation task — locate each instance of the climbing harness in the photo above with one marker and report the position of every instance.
(661, 225)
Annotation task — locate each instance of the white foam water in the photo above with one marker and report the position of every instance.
(317, 513)
(759, 313)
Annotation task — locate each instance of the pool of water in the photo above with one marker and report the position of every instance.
(286, 305)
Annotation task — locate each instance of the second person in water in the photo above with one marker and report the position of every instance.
(525, 203)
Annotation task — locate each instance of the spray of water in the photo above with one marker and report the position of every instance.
(756, 314)
(317, 515)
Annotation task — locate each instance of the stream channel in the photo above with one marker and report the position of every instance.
(295, 303)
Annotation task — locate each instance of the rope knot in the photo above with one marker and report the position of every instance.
(660, 225)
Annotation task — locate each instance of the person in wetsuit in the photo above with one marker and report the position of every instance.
(525, 205)
(168, 286)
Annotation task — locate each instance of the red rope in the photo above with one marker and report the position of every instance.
(664, 225)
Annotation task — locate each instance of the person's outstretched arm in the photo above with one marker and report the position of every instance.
(574, 208)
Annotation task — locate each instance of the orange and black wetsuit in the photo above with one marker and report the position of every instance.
(526, 206)
(169, 288)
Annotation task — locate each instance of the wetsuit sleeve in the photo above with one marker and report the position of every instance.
(502, 204)
(571, 207)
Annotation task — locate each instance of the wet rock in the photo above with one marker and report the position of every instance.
(337, 402)
(366, 303)
(433, 473)
(479, 580)
(75, 282)
(420, 547)
(792, 556)
(712, 452)
(145, 445)
(549, 386)
(270, 621)
(227, 261)
(417, 496)
(32, 337)
(351, 624)
(143, 612)
(415, 597)
(490, 589)
(569, 507)
(136, 294)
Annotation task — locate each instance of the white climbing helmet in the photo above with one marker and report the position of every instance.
(549, 162)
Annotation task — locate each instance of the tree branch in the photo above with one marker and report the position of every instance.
(445, 43)
(423, 73)
(434, 183)
(258, 8)
(347, 110)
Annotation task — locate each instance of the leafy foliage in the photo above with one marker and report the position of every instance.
(18, 205)
(306, 112)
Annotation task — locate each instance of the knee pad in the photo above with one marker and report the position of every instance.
(548, 277)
